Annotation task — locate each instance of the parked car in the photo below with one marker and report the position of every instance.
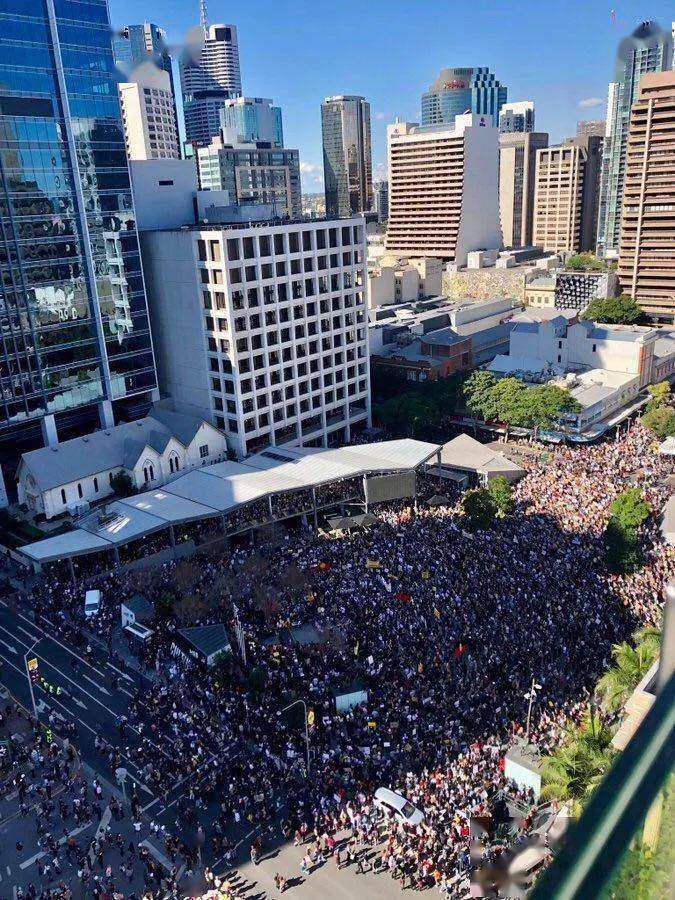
(391, 802)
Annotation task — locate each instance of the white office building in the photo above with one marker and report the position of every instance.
(148, 115)
(262, 328)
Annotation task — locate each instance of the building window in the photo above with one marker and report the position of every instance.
(63, 496)
(594, 347)
(96, 484)
(204, 451)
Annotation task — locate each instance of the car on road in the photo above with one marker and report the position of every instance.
(92, 603)
(397, 805)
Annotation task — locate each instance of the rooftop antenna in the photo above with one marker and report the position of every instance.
(203, 16)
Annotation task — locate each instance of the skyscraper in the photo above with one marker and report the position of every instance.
(464, 90)
(517, 170)
(648, 49)
(209, 75)
(647, 258)
(136, 45)
(517, 117)
(252, 119)
(76, 339)
(566, 195)
(347, 160)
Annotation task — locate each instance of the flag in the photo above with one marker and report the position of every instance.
(402, 597)
(460, 651)
(437, 612)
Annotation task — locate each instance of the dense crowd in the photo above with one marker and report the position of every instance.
(444, 629)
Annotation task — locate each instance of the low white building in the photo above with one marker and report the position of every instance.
(404, 280)
(69, 476)
(605, 367)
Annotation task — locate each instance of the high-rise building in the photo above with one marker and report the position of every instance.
(648, 49)
(76, 341)
(209, 75)
(566, 195)
(464, 90)
(148, 115)
(517, 117)
(252, 119)
(262, 328)
(381, 200)
(647, 257)
(443, 189)
(517, 179)
(253, 173)
(597, 127)
(347, 159)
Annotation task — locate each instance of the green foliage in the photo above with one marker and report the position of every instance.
(122, 484)
(164, 604)
(630, 510)
(660, 420)
(574, 771)
(501, 494)
(631, 664)
(420, 409)
(659, 394)
(479, 509)
(621, 310)
(256, 681)
(510, 400)
(585, 262)
(627, 514)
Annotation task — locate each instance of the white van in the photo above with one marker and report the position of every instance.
(92, 604)
(391, 802)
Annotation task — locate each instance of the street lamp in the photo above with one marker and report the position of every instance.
(531, 694)
(304, 706)
(30, 680)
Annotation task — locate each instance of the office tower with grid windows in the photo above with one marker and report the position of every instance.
(517, 171)
(567, 195)
(148, 116)
(76, 347)
(648, 49)
(210, 74)
(647, 257)
(262, 328)
(347, 156)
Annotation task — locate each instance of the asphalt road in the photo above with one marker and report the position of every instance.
(88, 696)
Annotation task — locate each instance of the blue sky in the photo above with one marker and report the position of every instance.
(559, 54)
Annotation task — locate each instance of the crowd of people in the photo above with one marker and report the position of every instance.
(443, 629)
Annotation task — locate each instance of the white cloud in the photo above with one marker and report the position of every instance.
(381, 116)
(312, 175)
(591, 102)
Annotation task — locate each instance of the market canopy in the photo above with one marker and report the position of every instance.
(214, 490)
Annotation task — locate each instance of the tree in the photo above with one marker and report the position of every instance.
(501, 494)
(631, 664)
(478, 392)
(630, 510)
(479, 509)
(257, 680)
(122, 484)
(584, 262)
(614, 311)
(574, 771)
(660, 420)
(659, 394)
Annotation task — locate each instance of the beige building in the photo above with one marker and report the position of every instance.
(148, 115)
(517, 171)
(404, 280)
(443, 189)
(566, 195)
(647, 250)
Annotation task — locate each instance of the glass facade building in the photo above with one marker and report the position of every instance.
(463, 90)
(255, 119)
(253, 175)
(347, 156)
(75, 331)
(648, 49)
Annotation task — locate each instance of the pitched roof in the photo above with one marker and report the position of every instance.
(207, 639)
(468, 454)
(111, 448)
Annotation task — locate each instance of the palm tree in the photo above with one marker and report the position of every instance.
(649, 638)
(631, 664)
(573, 772)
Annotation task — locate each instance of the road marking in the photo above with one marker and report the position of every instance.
(10, 647)
(151, 803)
(159, 856)
(31, 636)
(62, 840)
(123, 674)
(142, 786)
(96, 684)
